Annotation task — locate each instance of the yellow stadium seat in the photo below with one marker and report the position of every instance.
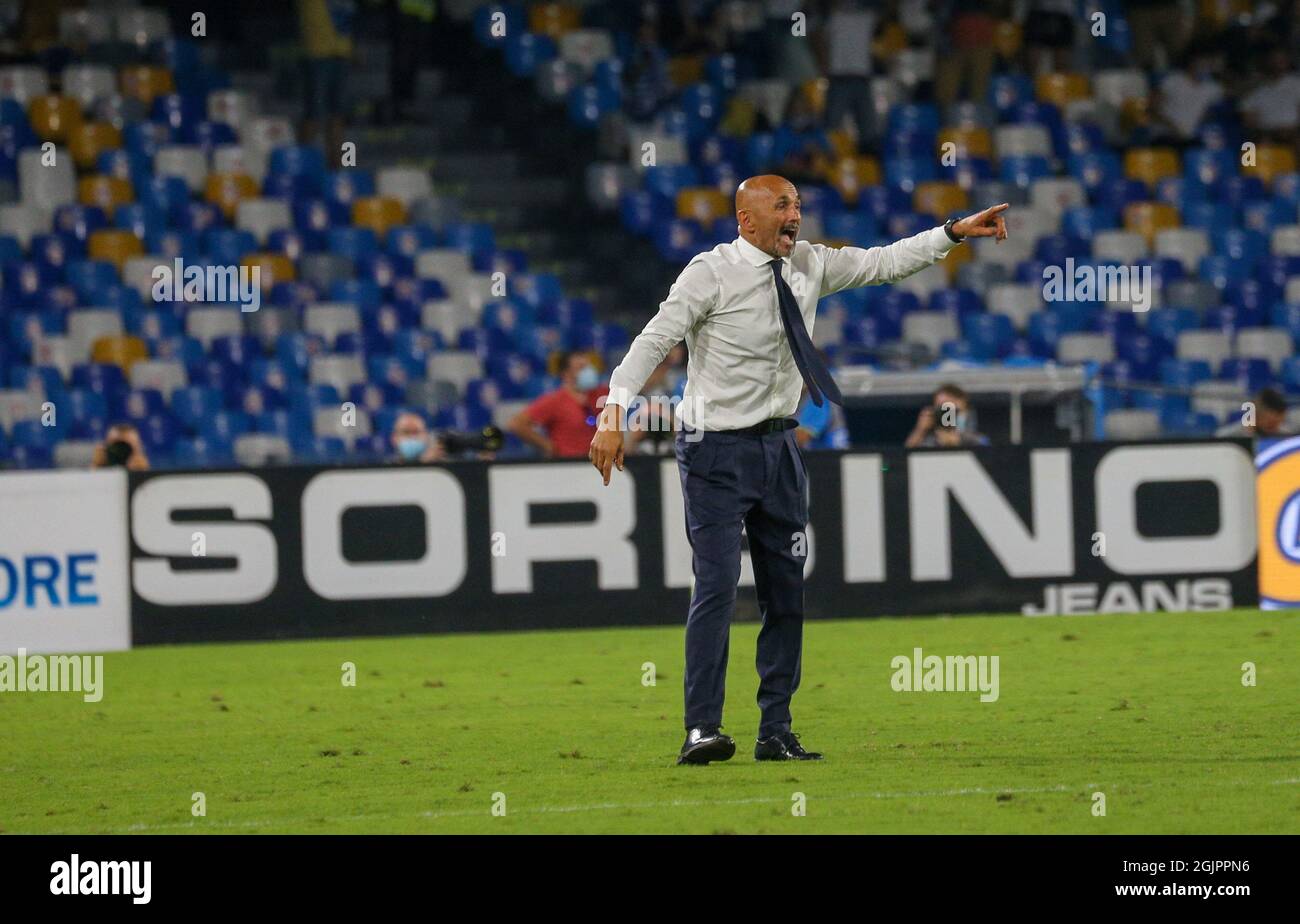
(1272, 160)
(115, 245)
(144, 82)
(889, 41)
(118, 350)
(939, 199)
(272, 267)
(1150, 218)
(703, 204)
(956, 257)
(89, 139)
(684, 70)
(842, 143)
(1007, 38)
(738, 118)
(850, 175)
(1220, 12)
(553, 19)
(968, 142)
(378, 213)
(54, 118)
(1061, 89)
(107, 192)
(814, 93)
(1134, 113)
(225, 190)
(1151, 165)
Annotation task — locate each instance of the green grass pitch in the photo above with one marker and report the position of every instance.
(1148, 709)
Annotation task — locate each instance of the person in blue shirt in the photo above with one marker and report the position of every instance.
(821, 427)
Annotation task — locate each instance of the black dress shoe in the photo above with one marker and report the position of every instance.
(785, 746)
(704, 745)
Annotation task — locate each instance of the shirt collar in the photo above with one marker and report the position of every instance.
(752, 255)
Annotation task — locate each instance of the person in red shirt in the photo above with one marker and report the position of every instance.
(561, 423)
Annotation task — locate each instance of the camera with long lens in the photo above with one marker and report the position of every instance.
(118, 452)
(489, 439)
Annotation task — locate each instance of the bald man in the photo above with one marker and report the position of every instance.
(746, 310)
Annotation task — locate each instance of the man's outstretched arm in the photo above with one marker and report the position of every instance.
(850, 267)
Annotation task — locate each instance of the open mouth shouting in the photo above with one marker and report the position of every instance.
(786, 237)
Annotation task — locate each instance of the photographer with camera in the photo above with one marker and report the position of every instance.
(414, 443)
(121, 447)
(411, 440)
(946, 422)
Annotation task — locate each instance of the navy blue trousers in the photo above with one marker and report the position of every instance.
(758, 482)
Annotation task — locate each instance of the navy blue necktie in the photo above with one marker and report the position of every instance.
(815, 374)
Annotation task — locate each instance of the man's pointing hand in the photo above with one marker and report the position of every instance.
(988, 223)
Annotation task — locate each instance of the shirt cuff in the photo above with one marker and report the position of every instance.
(941, 242)
(619, 395)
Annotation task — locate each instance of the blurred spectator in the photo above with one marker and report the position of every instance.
(326, 27)
(967, 54)
(409, 24)
(803, 163)
(946, 422)
(411, 440)
(850, 29)
(1273, 107)
(1269, 418)
(561, 423)
(704, 31)
(785, 56)
(121, 447)
(1159, 29)
(1185, 95)
(37, 28)
(1049, 34)
(646, 78)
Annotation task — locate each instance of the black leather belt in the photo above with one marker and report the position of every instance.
(775, 425)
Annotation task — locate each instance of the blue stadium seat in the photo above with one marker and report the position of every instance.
(1143, 354)
(956, 301)
(526, 50)
(1024, 169)
(1184, 373)
(1086, 220)
(989, 335)
(1168, 323)
(1007, 91)
(587, 103)
(1290, 376)
(1250, 374)
(203, 452)
(904, 173)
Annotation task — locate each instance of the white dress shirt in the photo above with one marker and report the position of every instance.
(740, 370)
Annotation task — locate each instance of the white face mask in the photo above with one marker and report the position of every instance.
(587, 378)
(410, 447)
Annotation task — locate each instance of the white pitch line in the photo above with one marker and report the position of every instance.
(672, 803)
(618, 806)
